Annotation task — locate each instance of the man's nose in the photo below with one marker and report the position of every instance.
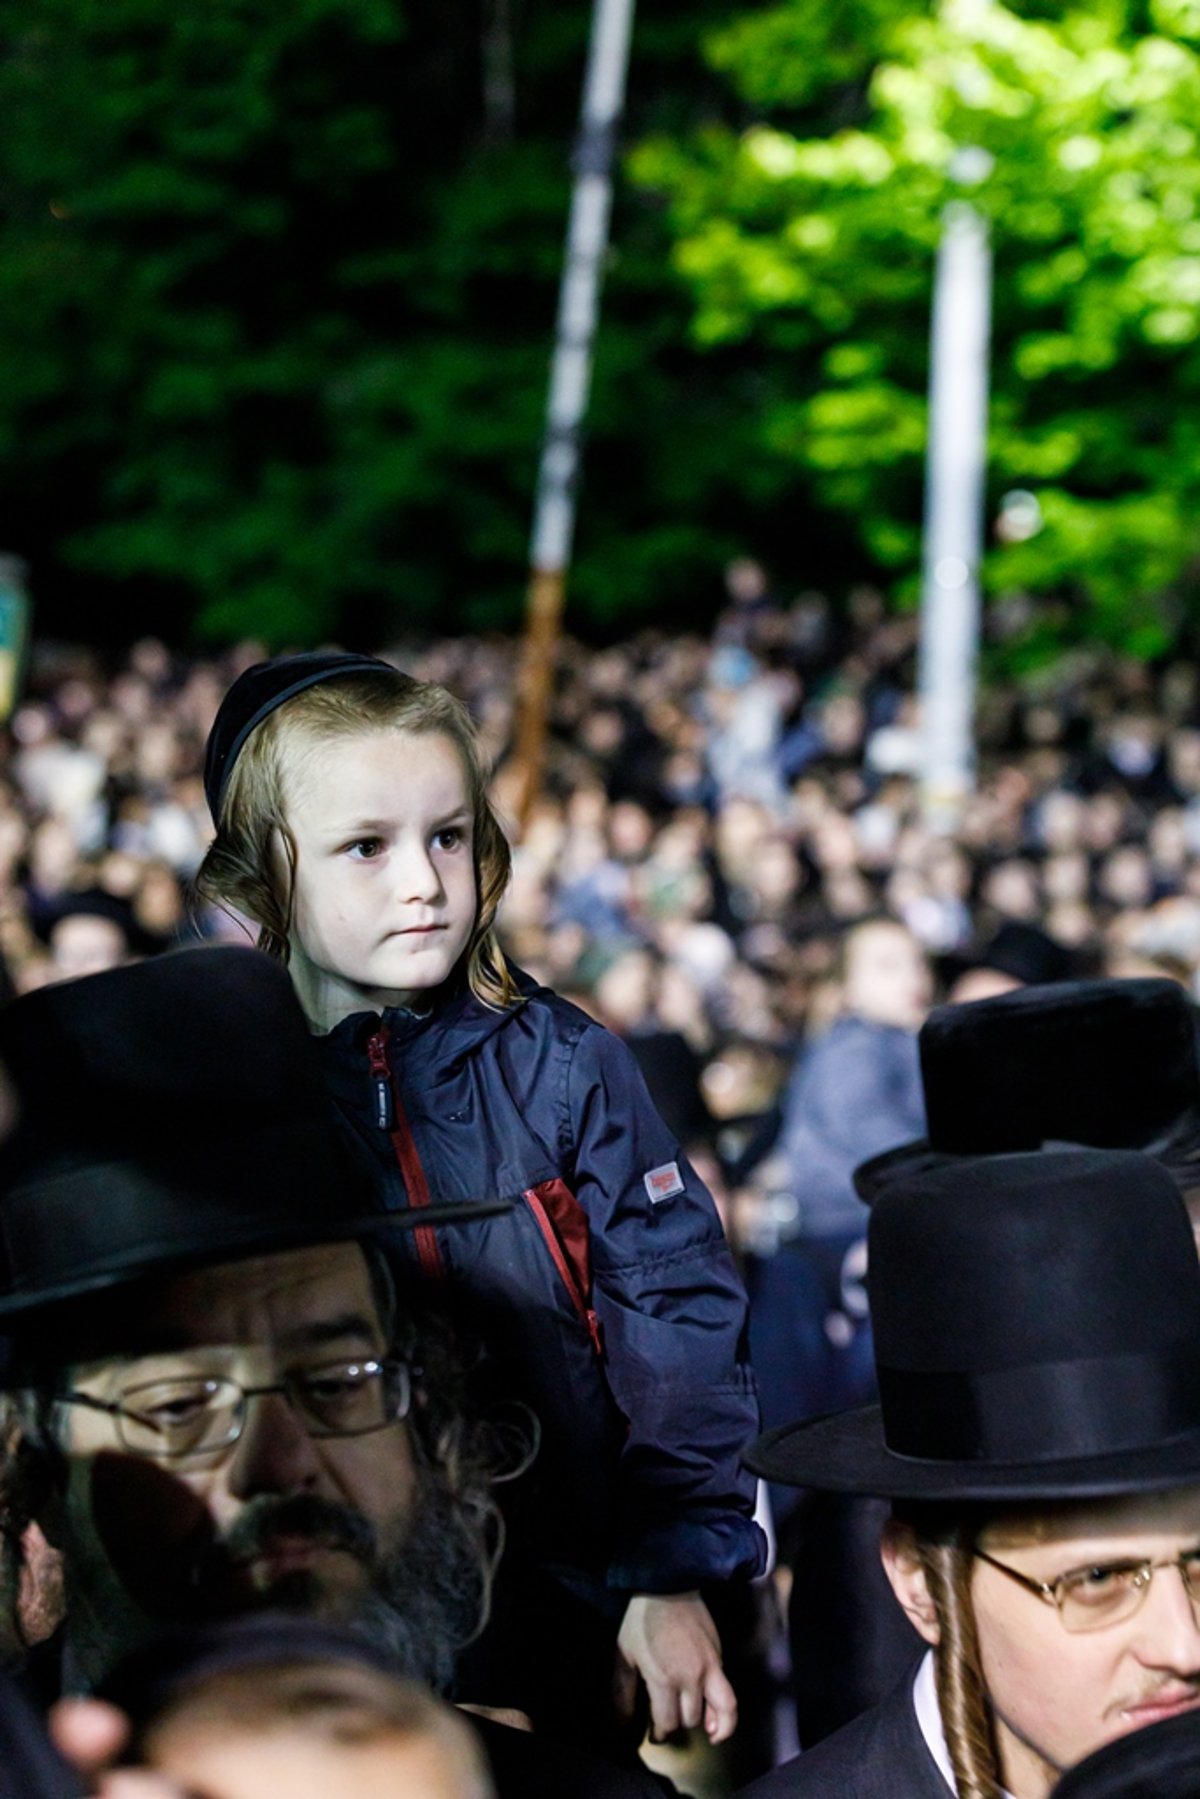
(274, 1453)
(1171, 1627)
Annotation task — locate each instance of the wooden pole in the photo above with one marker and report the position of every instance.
(570, 381)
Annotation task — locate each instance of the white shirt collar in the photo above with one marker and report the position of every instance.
(929, 1718)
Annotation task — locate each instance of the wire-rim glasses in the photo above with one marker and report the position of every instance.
(1105, 1593)
(179, 1417)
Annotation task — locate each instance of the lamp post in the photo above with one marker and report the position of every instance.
(956, 461)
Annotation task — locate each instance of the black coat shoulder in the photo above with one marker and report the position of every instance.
(881, 1755)
(528, 1766)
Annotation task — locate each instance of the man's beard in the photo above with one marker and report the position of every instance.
(419, 1601)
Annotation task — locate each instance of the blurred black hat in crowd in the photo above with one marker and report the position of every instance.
(166, 1115)
(1022, 951)
(1108, 1063)
(96, 902)
(1037, 1336)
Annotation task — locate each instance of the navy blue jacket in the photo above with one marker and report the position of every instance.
(610, 1280)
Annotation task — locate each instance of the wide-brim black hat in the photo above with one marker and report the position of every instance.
(1161, 1761)
(257, 692)
(1037, 1335)
(168, 1115)
(1111, 1064)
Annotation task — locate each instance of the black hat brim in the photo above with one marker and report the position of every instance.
(846, 1453)
(154, 1261)
(1181, 1161)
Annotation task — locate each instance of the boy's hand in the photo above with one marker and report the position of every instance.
(671, 1641)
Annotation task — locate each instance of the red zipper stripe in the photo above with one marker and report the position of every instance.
(407, 1155)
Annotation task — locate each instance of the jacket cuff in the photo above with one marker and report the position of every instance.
(678, 1558)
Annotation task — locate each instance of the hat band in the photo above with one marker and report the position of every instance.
(1045, 1411)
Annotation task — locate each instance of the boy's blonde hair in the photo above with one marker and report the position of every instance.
(243, 867)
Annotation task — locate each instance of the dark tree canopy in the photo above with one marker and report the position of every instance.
(277, 285)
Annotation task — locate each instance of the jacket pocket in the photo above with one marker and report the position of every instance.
(563, 1224)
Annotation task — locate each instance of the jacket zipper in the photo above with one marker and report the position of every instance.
(390, 1116)
(567, 1273)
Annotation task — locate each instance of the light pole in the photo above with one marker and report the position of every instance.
(956, 462)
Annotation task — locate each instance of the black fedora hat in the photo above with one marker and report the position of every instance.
(1111, 1064)
(1037, 1335)
(257, 692)
(169, 1114)
(1162, 1761)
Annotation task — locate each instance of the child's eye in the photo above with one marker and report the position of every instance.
(365, 849)
(449, 837)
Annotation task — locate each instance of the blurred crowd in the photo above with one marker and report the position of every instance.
(718, 815)
(726, 864)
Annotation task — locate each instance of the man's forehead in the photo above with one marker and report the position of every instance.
(289, 1299)
(1176, 1510)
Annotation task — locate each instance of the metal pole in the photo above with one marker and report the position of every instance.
(570, 380)
(954, 492)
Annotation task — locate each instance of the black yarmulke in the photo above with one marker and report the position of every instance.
(256, 693)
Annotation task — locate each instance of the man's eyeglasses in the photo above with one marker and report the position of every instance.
(1090, 1598)
(196, 1415)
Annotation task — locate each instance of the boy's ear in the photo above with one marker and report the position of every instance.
(902, 1565)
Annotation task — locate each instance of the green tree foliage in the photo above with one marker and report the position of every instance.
(808, 235)
(277, 284)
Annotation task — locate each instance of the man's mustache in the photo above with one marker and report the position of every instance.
(164, 1547)
(1166, 1689)
(268, 1518)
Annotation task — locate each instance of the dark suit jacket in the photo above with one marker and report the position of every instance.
(882, 1755)
(525, 1765)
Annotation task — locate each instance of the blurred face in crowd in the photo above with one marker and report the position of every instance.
(1012, 890)
(777, 874)
(887, 976)
(1125, 878)
(81, 945)
(384, 898)
(1183, 757)
(625, 992)
(285, 1514)
(1057, 1694)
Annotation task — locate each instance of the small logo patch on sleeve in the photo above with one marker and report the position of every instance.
(663, 1183)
